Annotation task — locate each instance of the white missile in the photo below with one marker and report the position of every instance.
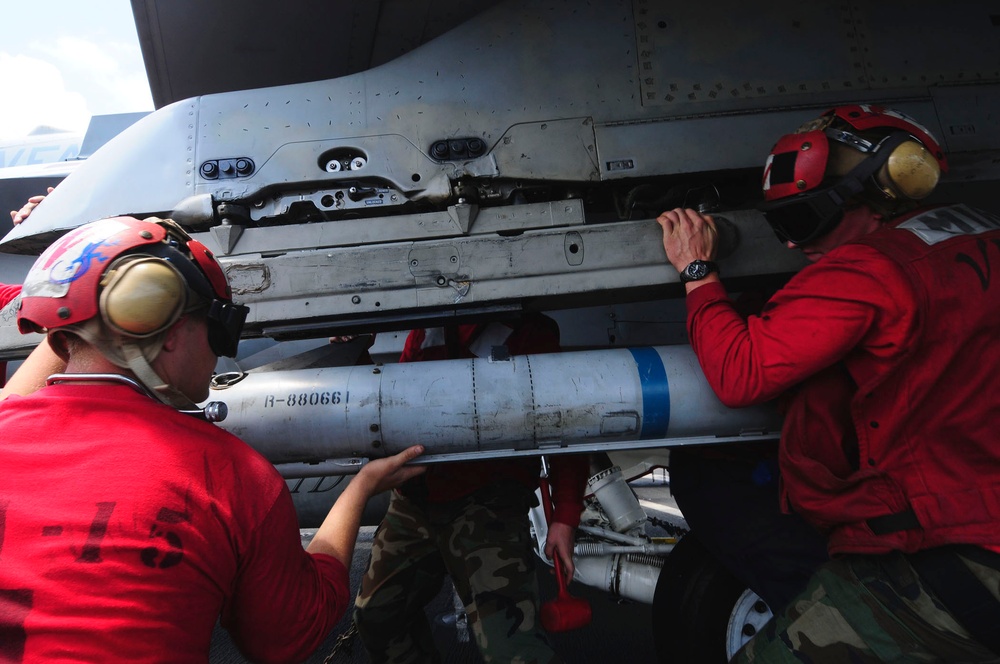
(484, 408)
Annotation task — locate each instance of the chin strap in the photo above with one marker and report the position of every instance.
(155, 386)
(132, 354)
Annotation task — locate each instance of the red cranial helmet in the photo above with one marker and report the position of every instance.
(120, 284)
(861, 153)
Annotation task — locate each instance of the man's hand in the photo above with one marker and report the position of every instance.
(383, 474)
(559, 542)
(17, 216)
(339, 531)
(688, 235)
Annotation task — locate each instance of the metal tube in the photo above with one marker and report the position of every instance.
(483, 408)
(618, 576)
(617, 499)
(601, 549)
(612, 535)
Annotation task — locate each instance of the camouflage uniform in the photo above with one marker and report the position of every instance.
(482, 542)
(864, 609)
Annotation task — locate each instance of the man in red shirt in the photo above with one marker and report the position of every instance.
(41, 363)
(469, 520)
(884, 353)
(7, 295)
(129, 527)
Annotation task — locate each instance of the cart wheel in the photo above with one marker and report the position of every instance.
(701, 612)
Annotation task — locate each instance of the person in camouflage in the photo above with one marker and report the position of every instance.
(862, 610)
(469, 521)
(883, 353)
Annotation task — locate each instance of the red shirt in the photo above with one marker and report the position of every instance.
(8, 293)
(444, 482)
(128, 529)
(885, 353)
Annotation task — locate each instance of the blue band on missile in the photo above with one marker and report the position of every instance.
(655, 392)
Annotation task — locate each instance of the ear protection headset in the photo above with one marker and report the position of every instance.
(141, 296)
(908, 172)
(145, 292)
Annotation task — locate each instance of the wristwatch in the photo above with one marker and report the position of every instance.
(698, 270)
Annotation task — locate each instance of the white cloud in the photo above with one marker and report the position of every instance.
(110, 73)
(34, 94)
(77, 53)
(85, 61)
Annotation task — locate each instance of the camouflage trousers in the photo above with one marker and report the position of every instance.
(862, 609)
(483, 543)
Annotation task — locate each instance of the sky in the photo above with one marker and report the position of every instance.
(62, 61)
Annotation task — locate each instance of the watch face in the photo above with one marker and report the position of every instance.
(696, 270)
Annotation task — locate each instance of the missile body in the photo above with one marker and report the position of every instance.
(486, 408)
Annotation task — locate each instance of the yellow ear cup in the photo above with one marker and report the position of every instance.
(142, 297)
(910, 172)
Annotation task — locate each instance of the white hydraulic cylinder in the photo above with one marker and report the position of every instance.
(618, 576)
(484, 408)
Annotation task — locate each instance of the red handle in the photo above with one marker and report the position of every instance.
(565, 612)
(559, 576)
(543, 484)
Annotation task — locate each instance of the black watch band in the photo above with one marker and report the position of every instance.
(698, 270)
